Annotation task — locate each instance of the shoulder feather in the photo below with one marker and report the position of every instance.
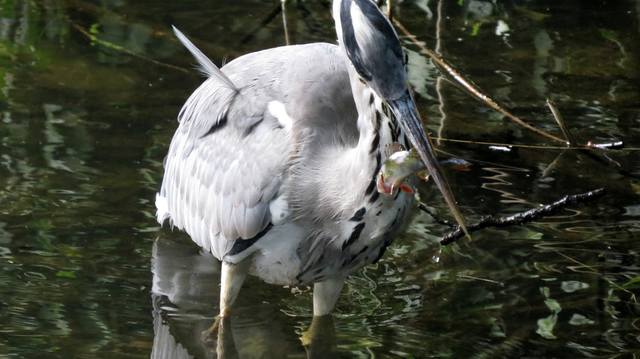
(206, 66)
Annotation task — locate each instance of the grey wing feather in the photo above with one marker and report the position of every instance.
(219, 181)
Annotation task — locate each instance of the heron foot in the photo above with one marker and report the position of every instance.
(306, 338)
(220, 337)
(320, 339)
(211, 335)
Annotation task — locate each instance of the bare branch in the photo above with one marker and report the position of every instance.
(523, 217)
(471, 88)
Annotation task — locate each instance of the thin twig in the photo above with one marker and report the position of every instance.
(523, 217)
(615, 145)
(466, 276)
(612, 145)
(480, 162)
(560, 121)
(440, 80)
(267, 20)
(591, 269)
(423, 207)
(598, 156)
(122, 49)
(471, 88)
(284, 21)
(389, 10)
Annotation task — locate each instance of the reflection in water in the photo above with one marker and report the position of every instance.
(185, 296)
(84, 126)
(499, 181)
(543, 44)
(184, 282)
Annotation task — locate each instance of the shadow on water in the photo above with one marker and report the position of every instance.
(89, 92)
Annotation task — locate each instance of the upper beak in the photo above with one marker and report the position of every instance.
(406, 112)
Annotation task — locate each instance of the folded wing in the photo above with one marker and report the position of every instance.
(226, 163)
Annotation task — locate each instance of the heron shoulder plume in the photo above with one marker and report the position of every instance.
(205, 65)
(217, 92)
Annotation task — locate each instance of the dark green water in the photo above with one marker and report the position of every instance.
(87, 110)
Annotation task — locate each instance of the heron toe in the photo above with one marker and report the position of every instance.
(211, 333)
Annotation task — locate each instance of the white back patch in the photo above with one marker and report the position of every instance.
(277, 110)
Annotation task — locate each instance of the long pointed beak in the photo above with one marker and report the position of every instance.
(407, 114)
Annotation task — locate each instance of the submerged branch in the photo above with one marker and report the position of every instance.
(523, 217)
(423, 207)
(115, 47)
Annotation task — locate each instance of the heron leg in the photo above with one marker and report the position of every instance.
(325, 295)
(232, 278)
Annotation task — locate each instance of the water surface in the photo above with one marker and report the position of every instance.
(89, 95)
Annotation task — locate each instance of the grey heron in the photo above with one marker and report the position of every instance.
(273, 165)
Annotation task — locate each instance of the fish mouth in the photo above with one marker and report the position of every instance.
(390, 188)
(386, 187)
(383, 187)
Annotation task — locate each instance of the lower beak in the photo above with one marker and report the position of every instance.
(406, 112)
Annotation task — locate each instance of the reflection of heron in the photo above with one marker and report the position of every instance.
(273, 166)
(184, 278)
(185, 282)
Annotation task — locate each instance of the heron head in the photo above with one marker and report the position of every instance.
(372, 46)
(374, 50)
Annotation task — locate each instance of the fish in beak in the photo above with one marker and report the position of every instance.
(396, 169)
(408, 117)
